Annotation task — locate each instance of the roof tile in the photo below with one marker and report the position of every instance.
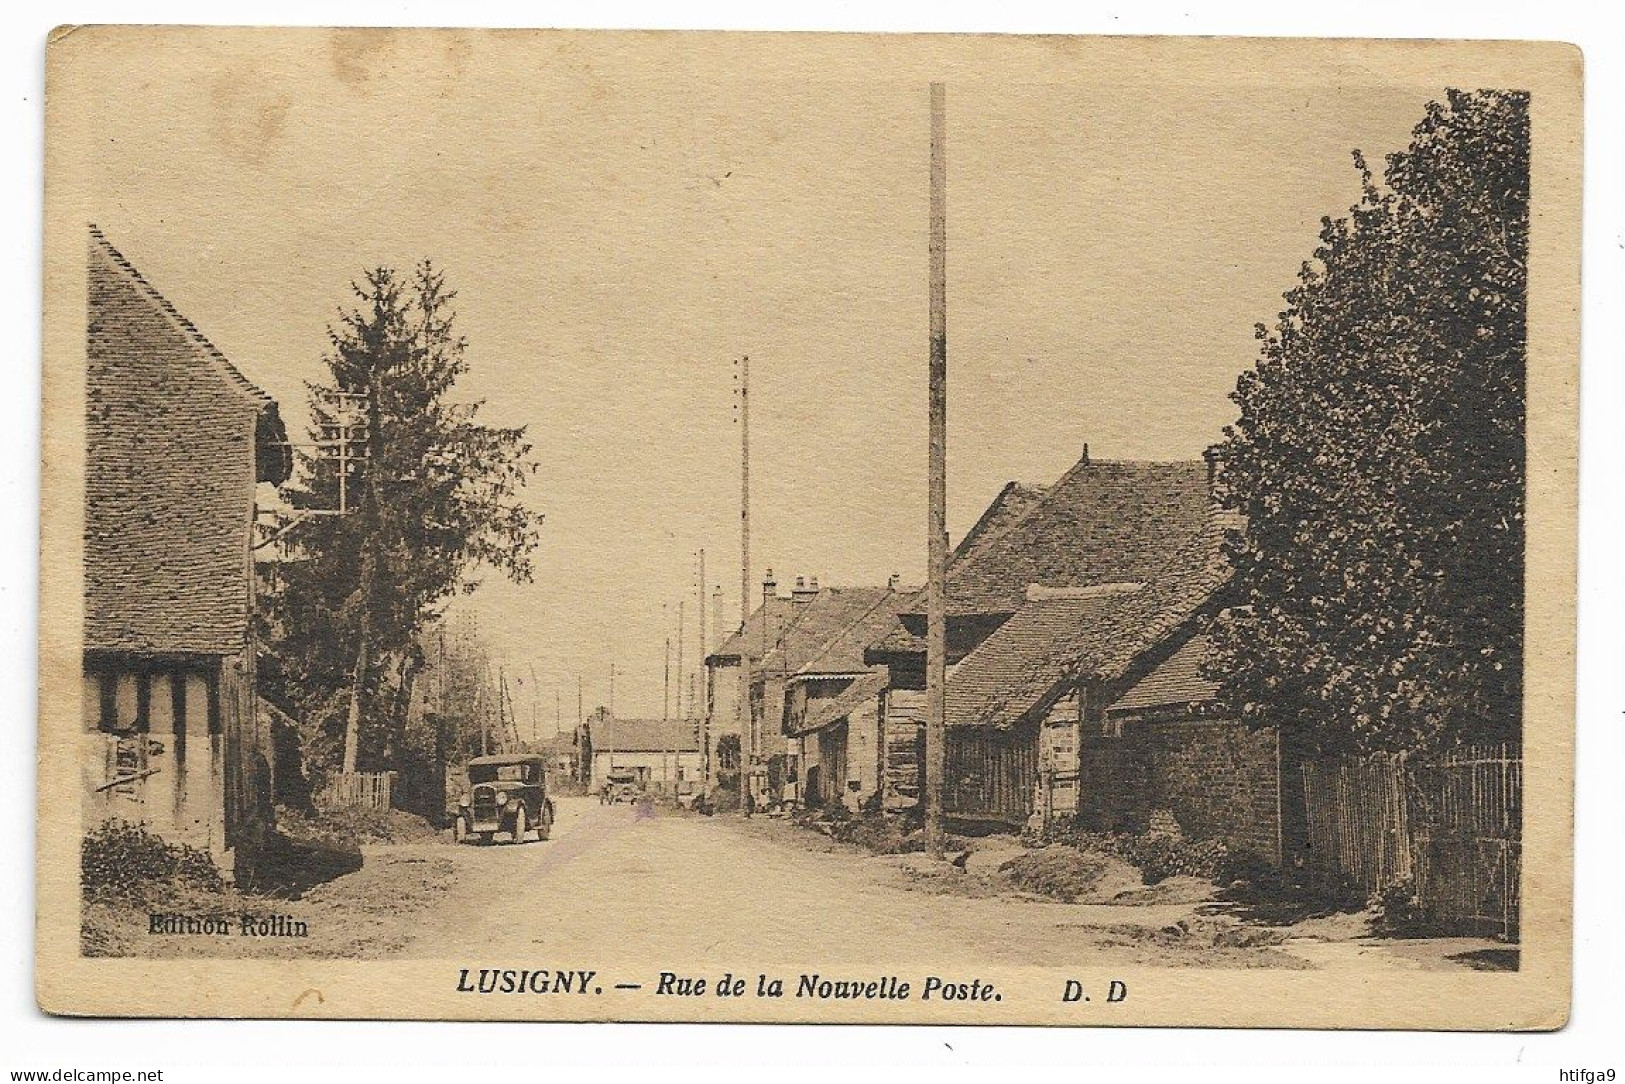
(170, 470)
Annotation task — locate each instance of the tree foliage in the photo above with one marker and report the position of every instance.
(430, 496)
(1379, 456)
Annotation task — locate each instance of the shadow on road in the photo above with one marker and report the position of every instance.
(291, 868)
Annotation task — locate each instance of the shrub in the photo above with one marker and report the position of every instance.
(125, 860)
(1157, 855)
(1397, 912)
(1059, 871)
(877, 833)
(724, 798)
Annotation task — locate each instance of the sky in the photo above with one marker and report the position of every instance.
(623, 225)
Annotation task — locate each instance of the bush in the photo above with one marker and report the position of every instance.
(875, 832)
(353, 826)
(1061, 872)
(1157, 855)
(1397, 912)
(124, 860)
(723, 798)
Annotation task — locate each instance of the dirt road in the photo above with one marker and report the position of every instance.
(621, 888)
(612, 883)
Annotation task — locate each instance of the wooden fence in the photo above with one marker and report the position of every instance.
(1467, 833)
(1451, 826)
(365, 790)
(988, 775)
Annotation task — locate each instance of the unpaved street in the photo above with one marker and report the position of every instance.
(612, 885)
(619, 889)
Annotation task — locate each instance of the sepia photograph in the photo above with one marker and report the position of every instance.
(832, 528)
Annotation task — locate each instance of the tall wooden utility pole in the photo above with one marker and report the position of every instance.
(609, 722)
(682, 717)
(665, 743)
(705, 644)
(743, 711)
(680, 630)
(536, 705)
(705, 709)
(936, 600)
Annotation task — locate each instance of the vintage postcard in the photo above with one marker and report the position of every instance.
(745, 527)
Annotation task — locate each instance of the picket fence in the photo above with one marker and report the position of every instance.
(1450, 826)
(365, 790)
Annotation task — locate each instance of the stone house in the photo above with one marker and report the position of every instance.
(1041, 563)
(663, 754)
(1168, 756)
(732, 667)
(1029, 707)
(832, 702)
(176, 441)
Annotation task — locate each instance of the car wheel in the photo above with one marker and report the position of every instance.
(520, 825)
(544, 827)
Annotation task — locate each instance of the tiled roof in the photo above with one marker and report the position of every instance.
(1177, 681)
(645, 735)
(843, 654)
(1103, 522)
(763, 629)
(172, 432)
(102, 248)
(822, 713)
(817, 622)
(1022, 656)
(1057, 639)
(1014, 501)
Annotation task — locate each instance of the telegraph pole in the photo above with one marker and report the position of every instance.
(936, 639)
(680, 631)
(665, 753)
(682, 718)
(705, 646)
(743, 710)
(705, 709)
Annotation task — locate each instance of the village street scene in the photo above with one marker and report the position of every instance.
(814, 640)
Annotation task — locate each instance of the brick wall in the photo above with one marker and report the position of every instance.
(1215, 779)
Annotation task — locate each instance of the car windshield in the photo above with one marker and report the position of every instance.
(503, 773)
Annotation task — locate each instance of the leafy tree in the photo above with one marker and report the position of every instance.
(1379, 456)
(404, 496)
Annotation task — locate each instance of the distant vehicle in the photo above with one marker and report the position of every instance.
(621, 786)
(506, 793)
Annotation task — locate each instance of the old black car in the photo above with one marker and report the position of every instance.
(505, 794)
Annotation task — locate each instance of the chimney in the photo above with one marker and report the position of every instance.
(1213, 456)
(892, 581)
(770, 588)
(1086, 453)
(803, 591)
